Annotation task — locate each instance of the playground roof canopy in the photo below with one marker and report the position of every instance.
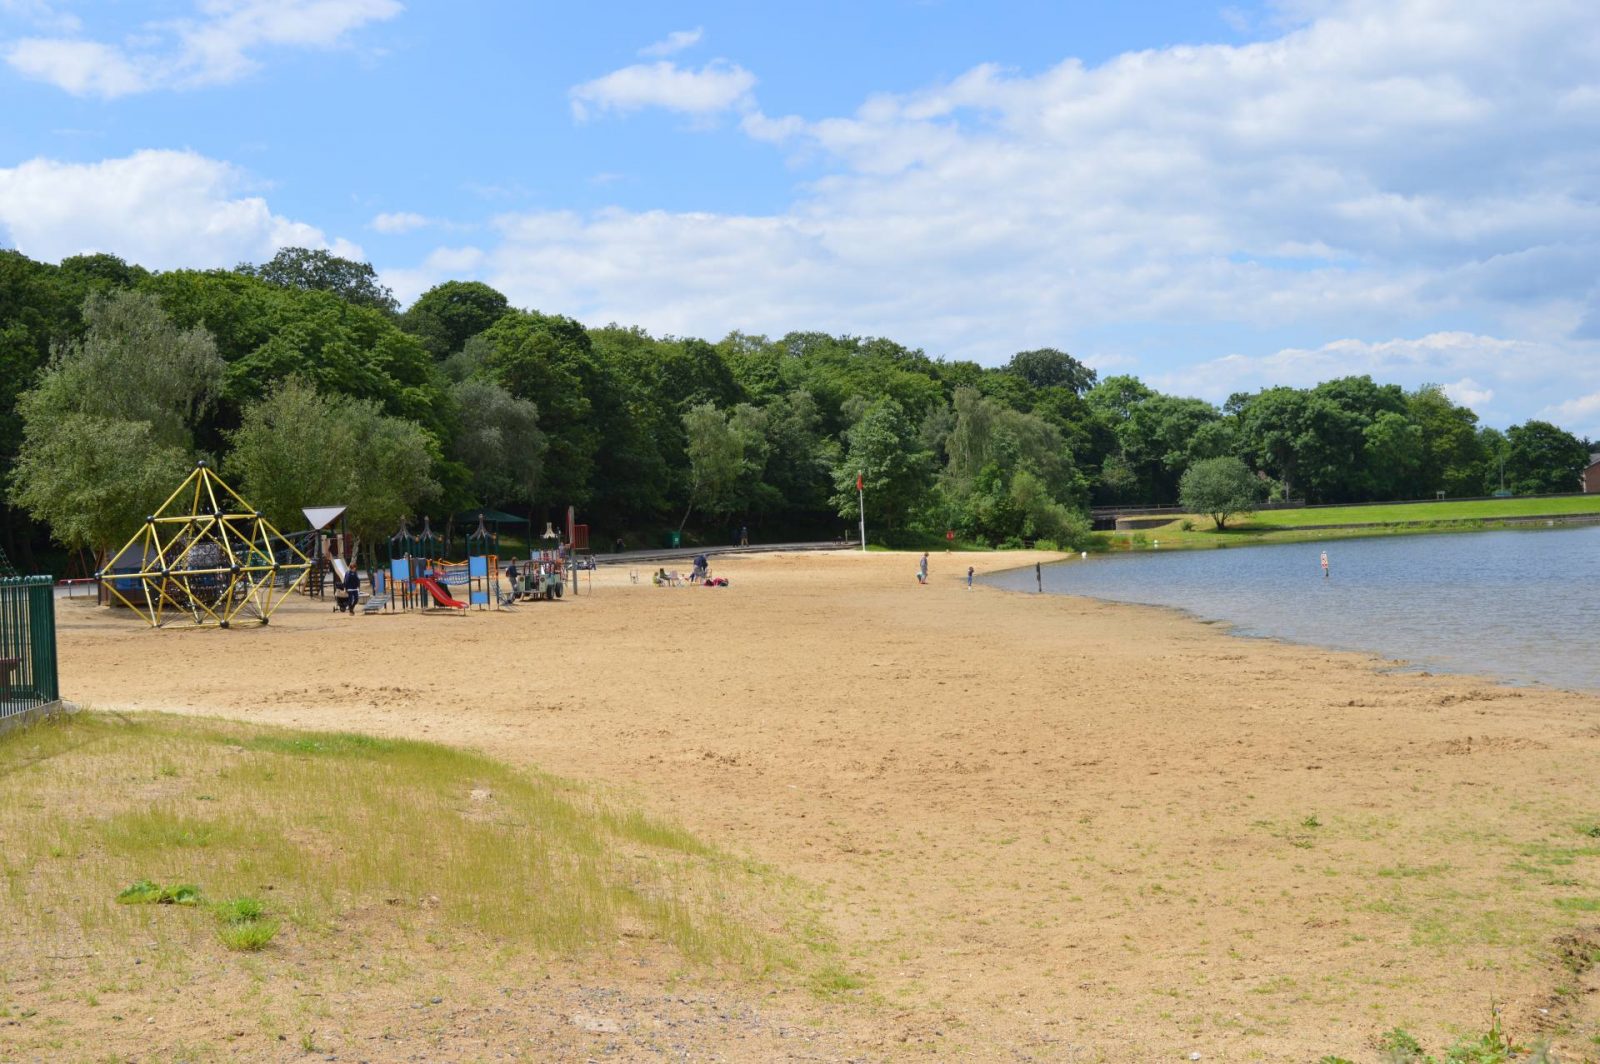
(493, 517)
(322, 516)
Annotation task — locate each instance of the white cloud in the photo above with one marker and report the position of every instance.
(1452, 359)
(1380, 169)
(442, 264)
(161, 209)
(42, 15)
(400, 222)
(718, 86)
(674, 42)
(1468, 392)
(1580, 415)
(83, 68)
(214, 48)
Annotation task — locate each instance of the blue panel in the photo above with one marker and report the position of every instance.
(400, 568)
(478, 568)
(479, 598)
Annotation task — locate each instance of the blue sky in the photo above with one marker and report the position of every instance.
(1212, 197)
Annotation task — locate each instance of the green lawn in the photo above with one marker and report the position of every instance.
(1466, 510)
(1286, 526)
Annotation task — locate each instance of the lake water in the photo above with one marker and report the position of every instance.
(1523, 606)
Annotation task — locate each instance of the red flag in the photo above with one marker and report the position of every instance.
(858, 482)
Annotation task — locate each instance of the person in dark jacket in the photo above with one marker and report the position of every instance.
(352, 590)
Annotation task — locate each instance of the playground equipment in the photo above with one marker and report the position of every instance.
(542, 578)
(328, 545)
(418, 576)
(205, 557)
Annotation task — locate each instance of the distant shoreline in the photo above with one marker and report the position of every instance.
(1171, 536)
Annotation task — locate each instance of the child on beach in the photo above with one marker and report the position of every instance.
(922, 569)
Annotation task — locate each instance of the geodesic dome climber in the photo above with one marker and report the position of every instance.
(205, 557)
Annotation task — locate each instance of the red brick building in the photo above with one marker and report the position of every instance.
(1590, 477)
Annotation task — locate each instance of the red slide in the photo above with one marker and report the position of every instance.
(440, 595)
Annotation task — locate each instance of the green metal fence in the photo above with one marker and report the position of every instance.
(28, 676)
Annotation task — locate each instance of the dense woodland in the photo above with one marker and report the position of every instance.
(308, 384)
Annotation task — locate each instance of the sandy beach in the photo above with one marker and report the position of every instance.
(1043, 827)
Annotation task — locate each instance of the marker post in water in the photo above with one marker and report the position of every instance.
(1324, 565)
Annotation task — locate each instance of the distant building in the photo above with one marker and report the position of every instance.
(1590, 477)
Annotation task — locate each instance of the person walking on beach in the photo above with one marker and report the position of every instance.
(922, 569)
(1324, 565)
(352, 590)
(969, 578)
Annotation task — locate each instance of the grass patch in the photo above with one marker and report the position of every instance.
(239, 911)
(1579, 905)
(145, 892)
(249, 936)
(1405, 871)
(831, 981)
(1290, 526)
(425, 840)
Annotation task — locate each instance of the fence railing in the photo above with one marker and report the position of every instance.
(29, 680)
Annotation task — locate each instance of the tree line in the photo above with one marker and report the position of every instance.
(308, 384)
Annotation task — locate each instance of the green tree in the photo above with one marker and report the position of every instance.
(882, 448)
(293, 449)
(716, 459)
(498, 442)
(393, 472)
(297, 448)
(1008, 478)
(1273, 426)
(107, 431)
(1157, 435)
(99, 271)
(1049, 368)
(1220, 488)
(1543, 459)
(799, 457)
(447, 315)
(316, 270)
(1394, 453)
(1452, 458)
(93, 479)
(548, 360)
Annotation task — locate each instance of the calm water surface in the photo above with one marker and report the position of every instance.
(1522, 606)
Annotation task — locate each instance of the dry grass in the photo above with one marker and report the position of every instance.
(326, 828)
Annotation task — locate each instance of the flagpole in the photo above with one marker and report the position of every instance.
(861, 507)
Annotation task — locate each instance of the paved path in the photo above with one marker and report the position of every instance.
(667, 554)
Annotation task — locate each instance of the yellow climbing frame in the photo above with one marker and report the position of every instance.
(205, 557)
